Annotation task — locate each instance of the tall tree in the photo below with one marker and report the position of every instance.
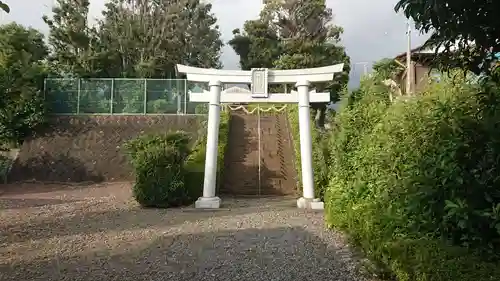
(295, 34)
(71, 39)
(257, 46)
(22, 70)
(22, 52)
(468, 32)
(150, 37)
(199, 34)
(135, 33)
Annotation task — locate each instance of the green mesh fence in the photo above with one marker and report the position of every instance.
(95, 96)
(129, 96)
(121, 96)
(195, 88)
(62, 95)
(166, 96)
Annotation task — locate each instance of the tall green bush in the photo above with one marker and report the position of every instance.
(415, 183)
(159, 163)
(323, 162)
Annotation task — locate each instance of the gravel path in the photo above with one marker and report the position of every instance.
(98, 233)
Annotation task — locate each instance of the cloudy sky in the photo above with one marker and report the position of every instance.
(372, 29)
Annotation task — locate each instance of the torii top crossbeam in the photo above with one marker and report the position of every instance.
(260, 78)
(317, 74)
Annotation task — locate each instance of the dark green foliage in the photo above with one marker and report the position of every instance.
(4, 7)
(21, 116)
(159, 162)
(467, 31)
(415, 183)
(22, 106)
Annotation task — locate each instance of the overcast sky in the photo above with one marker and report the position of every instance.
(372, 29)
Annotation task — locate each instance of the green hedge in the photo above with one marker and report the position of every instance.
(415, 183)
(321, 153)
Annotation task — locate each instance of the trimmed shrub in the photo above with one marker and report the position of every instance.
(415, 183)
(178, 139)
(159, 162)
(160, 177)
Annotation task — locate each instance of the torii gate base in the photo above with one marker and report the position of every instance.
(259, 79)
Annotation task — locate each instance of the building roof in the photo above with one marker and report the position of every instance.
(420, 50)
(424, 50)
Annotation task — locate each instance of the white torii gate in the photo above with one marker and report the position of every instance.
(259, 79)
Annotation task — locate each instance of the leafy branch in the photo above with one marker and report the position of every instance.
(4, 7)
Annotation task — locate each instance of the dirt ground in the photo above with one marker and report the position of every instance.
(56, 232)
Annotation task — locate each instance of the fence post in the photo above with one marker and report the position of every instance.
(178, 97)
(179, 108)
(112, 95)
(78, 96)
(185, 96)
(145, 95)
(45, 88)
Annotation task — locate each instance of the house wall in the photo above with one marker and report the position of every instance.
(419, 78)
(421, 73)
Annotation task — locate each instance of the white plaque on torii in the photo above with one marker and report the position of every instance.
(259, 79)
(259, 86)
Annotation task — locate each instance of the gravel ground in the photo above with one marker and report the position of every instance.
(99, 233)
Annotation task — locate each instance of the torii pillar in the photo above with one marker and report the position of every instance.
(259, 79)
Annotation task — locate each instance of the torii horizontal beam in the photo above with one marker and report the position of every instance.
(244, 97)
(317, 74)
